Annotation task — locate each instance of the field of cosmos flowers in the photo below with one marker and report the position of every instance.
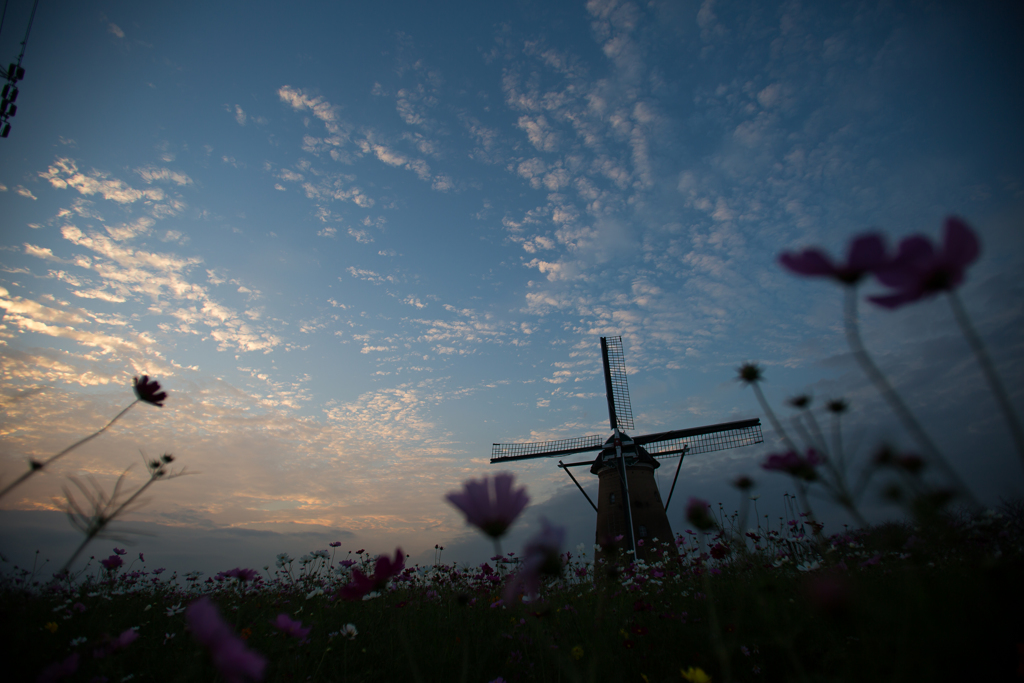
(937, 597)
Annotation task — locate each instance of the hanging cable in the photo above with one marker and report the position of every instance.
(3, 16)
(15, 72)
(31, 18)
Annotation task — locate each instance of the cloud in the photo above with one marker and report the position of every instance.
(152, 174)
(302, 100)
(64, 173)
(361, 236)
(115, 29)
(24, 192)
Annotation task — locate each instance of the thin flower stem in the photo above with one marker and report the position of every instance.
(892, 398)
(102, 519)
(771, 416)
(716, 633)
(38, 467)
(989, 369)
(803, 433)
(837, 440)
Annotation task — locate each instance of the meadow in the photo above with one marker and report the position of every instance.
(936, 597)
(890, 602)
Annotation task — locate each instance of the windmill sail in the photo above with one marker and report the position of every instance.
(620, 412)
(702, 439)
(545, 449)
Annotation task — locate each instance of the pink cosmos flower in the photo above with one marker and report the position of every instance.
(113, 645)
(791, 463)
(112, 562)
(57, 671)
(335, 544)
(921, 270)
(361, 585)
(542, 557)
(120, 551)
(866, 255)
(240, 574)
(290, 627)
(230, 655)
(490, 504)
(697, 514)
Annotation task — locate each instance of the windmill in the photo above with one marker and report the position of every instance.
(628, 501)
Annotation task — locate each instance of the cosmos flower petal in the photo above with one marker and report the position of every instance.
(808, 262)
(960, 244)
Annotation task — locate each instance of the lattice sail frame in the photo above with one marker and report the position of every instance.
(704, 442)
(521, 451)
(661, 445)
(617, 381)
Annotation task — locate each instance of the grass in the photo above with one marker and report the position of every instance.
(889, 602)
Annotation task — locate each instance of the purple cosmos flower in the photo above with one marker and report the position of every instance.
(697, 514)
(240, 574)
(361, 585)
(290, 627)
(921, 270)
(113, 645)
(335, 544)
(120, 551)
(791, 463)
(490, 504)
(149, 391)
(542, 557)
(866, 255)
(234, 661)
(57, 671)
(112, 562)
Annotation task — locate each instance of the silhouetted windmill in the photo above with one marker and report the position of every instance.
(628, 501)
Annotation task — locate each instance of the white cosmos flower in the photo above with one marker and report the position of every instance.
(349, 631)
(176, 609)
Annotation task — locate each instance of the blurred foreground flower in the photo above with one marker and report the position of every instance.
(921, 270)
(542, 557)
(490, 504)
(232, 658)
(291, 627)
(866, 255)
(149, 391)
(385, 569)
(57, 671)
(695, 675)
(793, 465)
(112, 645)
(697, 513)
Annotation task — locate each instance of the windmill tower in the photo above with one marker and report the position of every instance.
(628, 501)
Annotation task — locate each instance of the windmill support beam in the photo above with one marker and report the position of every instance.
(678, 467)
(566, 468)
(625, 490)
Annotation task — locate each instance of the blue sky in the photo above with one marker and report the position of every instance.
(360, 242)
